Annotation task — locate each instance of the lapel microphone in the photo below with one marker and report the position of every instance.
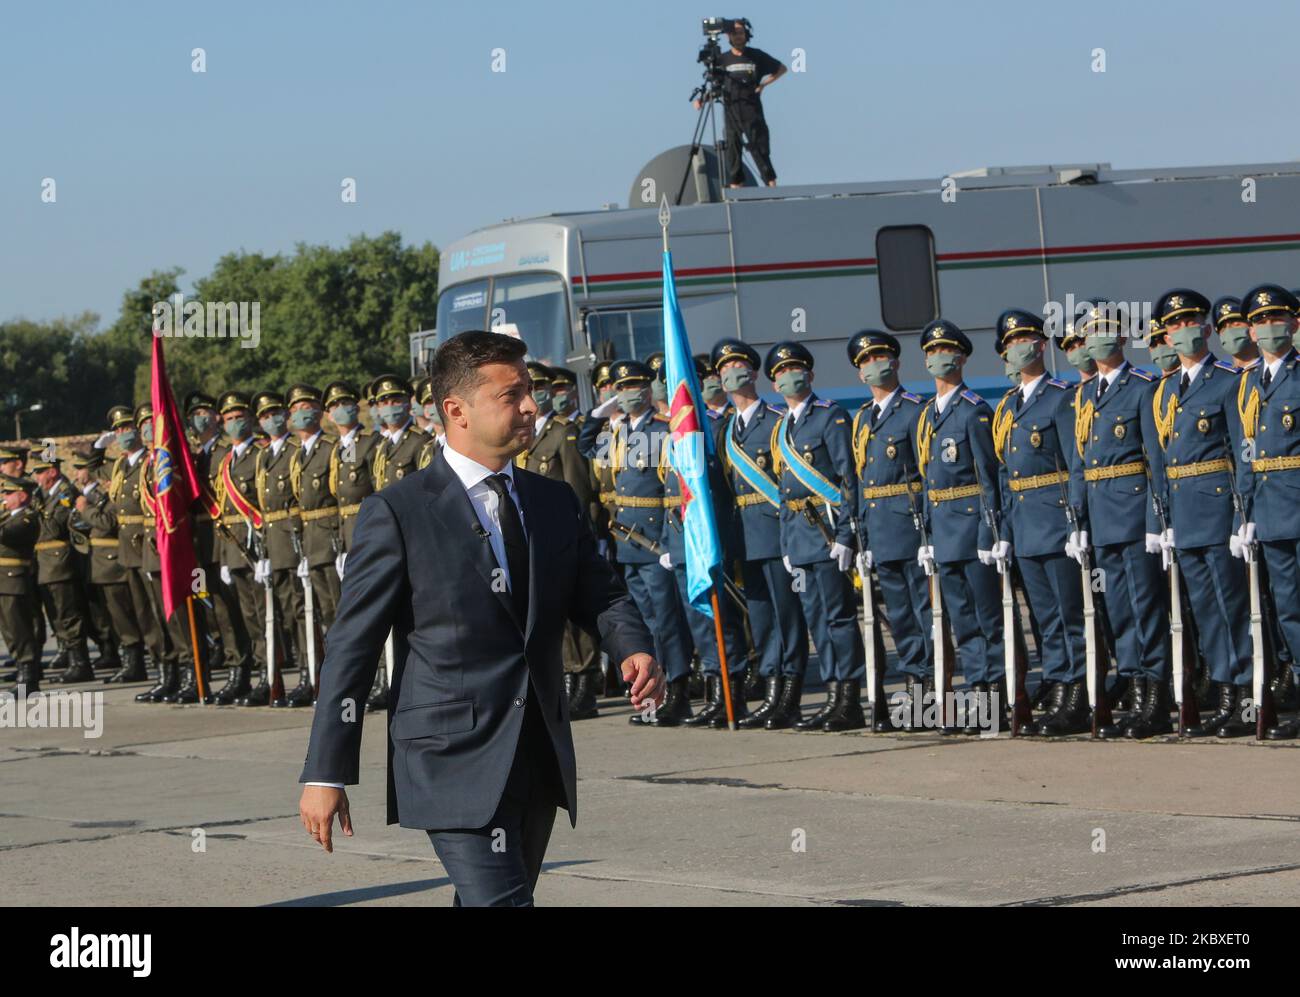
(482, 533)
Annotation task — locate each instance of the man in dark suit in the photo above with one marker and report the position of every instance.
(475, 565)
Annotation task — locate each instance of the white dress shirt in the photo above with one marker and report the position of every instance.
(941, 401)
(749, 411)
(1027, 388)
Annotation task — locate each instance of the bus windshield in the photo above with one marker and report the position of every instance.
(530, 306)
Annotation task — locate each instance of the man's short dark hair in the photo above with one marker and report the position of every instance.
(454, 367)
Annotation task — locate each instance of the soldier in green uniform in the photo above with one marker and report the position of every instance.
(399, 453)
(431, 423)
(219, 608)
(18, 531)
(309, 472)
(57, 578)
(87, 469)
(108, 578)
(236, 494)
(554, 454)
(281, 527)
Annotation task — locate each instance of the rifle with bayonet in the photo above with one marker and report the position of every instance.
(309, 614)
(941, 639)
(274, 673)
(638, 539)
(873, 643)
(1182, 649)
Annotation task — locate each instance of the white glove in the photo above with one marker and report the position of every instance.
(1242, 543)
(865, 562)
(666, 561)
(925, 558)
(103, 440)
(304, 569)
(225, 575)
(1167, 548)
(788, 566)
(338, 562)
(1001, 554)
(986, 557)
(262, 571)
(1076, 544)
(1153, 543)
(603, 410)
(842, 556)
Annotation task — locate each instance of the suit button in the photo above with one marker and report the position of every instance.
(519, 703)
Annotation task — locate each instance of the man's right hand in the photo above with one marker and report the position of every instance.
(316, 809)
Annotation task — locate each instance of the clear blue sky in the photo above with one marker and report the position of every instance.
(158, 166)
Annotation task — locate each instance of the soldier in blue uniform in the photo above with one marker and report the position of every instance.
(702, 629)
(634, 447)
(1194, 410)
(954, 444)
(1163, 355)
(1269, 462)
(1033, 427)
(884, 456)
(1115, 443)
(747, 448)
(814, 458)
(1234, 333)
(1076, 352)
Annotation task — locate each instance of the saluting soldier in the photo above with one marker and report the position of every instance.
(309, 470)
(1193, 411)
(241, 515)
(281, 526)
(57, 577)
(813, 451)
(748, 450)
(94, 510)
(1269, 462)
(1033, 426)
(634, 446)
(955, 453)
(399, 453)
(87, 471)
(13, 461)
(884, 456)
(18, 600)
(1119, 514)
(219, 609)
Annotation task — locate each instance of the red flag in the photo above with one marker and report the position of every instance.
(176, 487)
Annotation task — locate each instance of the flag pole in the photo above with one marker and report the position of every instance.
(198, 662)
(725, 677)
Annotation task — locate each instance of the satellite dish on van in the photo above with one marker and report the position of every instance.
(662, 177)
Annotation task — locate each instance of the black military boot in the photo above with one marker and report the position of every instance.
(676, 707)
(237, 686)
(755, 686)
(1074, 716)
(1240, 724)
(739, 709)
(168, 684)
(787, 707)
(1154, 718)
(259, 693)
(815, 721)
(78, 669)
(1041, 695)
(847, 714)
(712, 704)
(304, 693)
(378, 698)
(1227, 709)
(1283, 731)
(158, 687)
(29, 678)
(132, 669)
(582, 697)
(1138, 688)
(188, 693)
(109, 656)
(1283, 687)
(697, 688)
(771, 697)
(913, 689)
(1000, 706)
(977, 699)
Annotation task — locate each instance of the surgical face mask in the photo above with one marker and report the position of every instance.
(1102, 346)
(1233, 338)
(417, 410)
(394, 415)
(942, 364)
(632, 398)
(1272, 336)
(1080, 359)
(304, 419)
(1012, 372)
(274, 424)
(1188, 340)
(735, 378)
(877, 373)
(564, 402)
(711, 388)
(1022, 355)
(659, 391)
(127, 439)
(237, 428)
(541, 396)
(606, 393)
(345, 415)
(146, 432)
(201, 421)
(1164, 356)
(792, 381)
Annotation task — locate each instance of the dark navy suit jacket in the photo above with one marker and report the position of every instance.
(464, 662)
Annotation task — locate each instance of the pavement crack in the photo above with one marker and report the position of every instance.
(1131, 890)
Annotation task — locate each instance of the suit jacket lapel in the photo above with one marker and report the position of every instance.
(451, 506)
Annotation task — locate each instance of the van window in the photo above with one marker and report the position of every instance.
(626, 334)
(906, 273)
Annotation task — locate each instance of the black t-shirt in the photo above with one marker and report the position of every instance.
(744, 71)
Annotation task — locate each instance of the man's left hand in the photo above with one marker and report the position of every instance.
(646, 678)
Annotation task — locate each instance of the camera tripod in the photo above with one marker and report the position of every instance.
(708, 95)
